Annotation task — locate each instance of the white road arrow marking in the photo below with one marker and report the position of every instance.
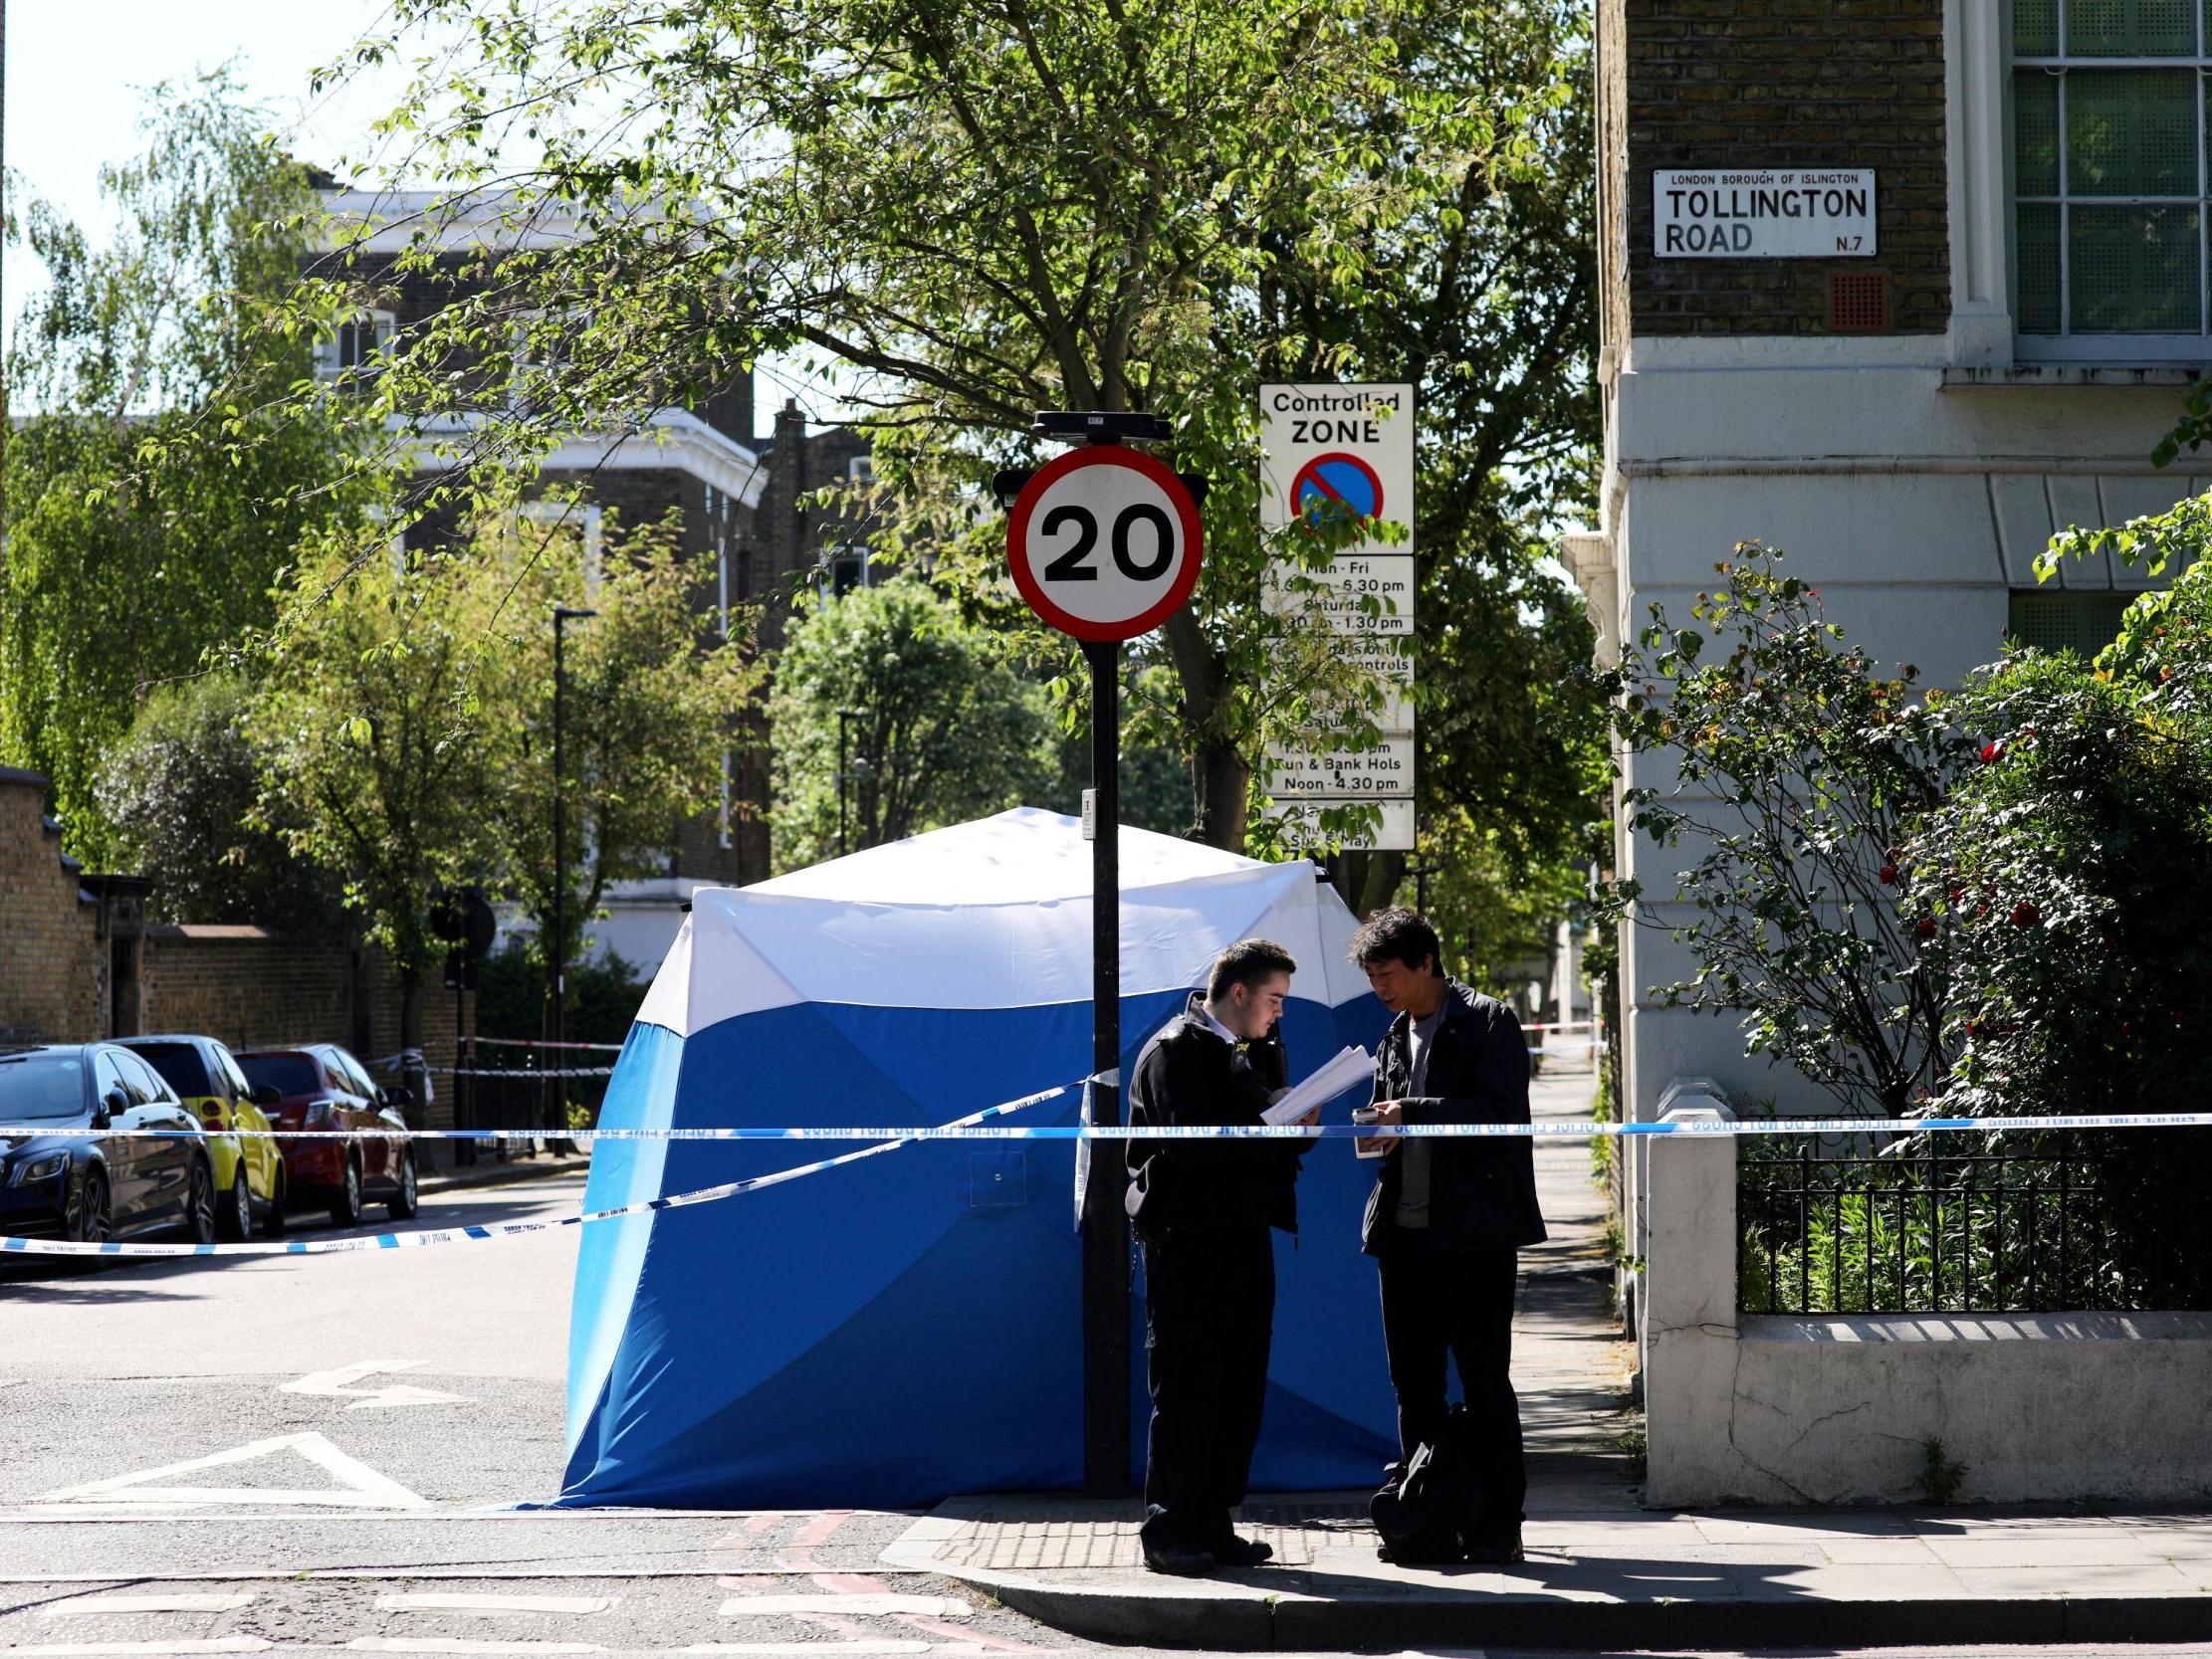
(339, 1384)
(360, 1487)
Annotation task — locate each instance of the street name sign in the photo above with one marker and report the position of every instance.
(1104, 542)
(1346, 450)
(1763, 212)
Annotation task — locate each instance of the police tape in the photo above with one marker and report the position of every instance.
(526, 1072)
(969, 1130)
(488, 1230)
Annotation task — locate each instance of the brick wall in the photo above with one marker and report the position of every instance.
(1611, 26)
(1782, 84)
(50, 945)
(256, 989)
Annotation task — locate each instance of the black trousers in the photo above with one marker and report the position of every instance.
(1210, 1317)
(1438, 1302)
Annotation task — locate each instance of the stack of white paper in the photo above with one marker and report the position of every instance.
(1347, 1067)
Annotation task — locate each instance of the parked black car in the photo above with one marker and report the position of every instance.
(93, 1188)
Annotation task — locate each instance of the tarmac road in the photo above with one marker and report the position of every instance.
(304, 1456)
(289, 1453)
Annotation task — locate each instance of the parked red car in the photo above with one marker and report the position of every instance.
(319, 1085)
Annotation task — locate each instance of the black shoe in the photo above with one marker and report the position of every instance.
(1504, 1549)
(1179, 1559)
(1422, 1552)
(1241, 1551)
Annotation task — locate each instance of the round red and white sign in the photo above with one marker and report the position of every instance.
(1104, 542)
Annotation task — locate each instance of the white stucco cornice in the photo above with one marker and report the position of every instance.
(675, 440)
(395, 221)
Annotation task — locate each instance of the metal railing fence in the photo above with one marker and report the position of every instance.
(2003, 1223)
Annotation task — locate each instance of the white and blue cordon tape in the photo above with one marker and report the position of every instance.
(499, 1229)
(978, 1127)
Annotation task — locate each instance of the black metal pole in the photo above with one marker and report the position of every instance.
(464, 1151)
(1106, 1355)
(558, 1027)
(557, 1023)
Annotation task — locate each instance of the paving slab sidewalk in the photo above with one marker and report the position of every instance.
(1602, 1571)
(491, 1172)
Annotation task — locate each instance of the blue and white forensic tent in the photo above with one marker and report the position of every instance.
(908, 1327)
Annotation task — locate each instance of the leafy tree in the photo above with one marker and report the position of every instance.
(1800, 772)
(158, 481)
(406, 717)
(1155, 780)
(652, 699)
(2068, 873)
(181, 791)
(975, 211)
(949, 728)
(372, 723)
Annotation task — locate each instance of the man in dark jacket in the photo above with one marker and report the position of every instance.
(1204, 1209)
(1447, 1214)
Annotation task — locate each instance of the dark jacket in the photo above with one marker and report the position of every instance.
(1187, 1075)
(1481, 1192)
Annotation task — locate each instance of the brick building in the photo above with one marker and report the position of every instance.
(1902, 287)
(739, 493)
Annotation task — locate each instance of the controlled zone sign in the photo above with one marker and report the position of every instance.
(1104, 542)
(1336, 451)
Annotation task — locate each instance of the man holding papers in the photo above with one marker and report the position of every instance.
(1447, 1214)
(1204, 1209)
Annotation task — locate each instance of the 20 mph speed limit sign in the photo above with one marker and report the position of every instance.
(1104, 542)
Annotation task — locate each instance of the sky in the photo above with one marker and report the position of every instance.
(77, 72)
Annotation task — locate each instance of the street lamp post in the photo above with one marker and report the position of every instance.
(843, 716)
(562, 616)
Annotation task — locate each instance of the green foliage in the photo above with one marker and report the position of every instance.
(1603, 1148)
(974, 212)
(181, 793)
(2070, 872)
(948, 729)
(371, 717)
(1155, 779)
(154, 487)
(654, 695)
(603, 992)
(406, 715)
(1800, 772)
(1942, 1479)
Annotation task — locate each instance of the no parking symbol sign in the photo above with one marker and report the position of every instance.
(1338, 482)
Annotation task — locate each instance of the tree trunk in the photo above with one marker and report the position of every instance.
(1367, 881)
(1370, 881)
(1221, 793)
(1221, 777)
